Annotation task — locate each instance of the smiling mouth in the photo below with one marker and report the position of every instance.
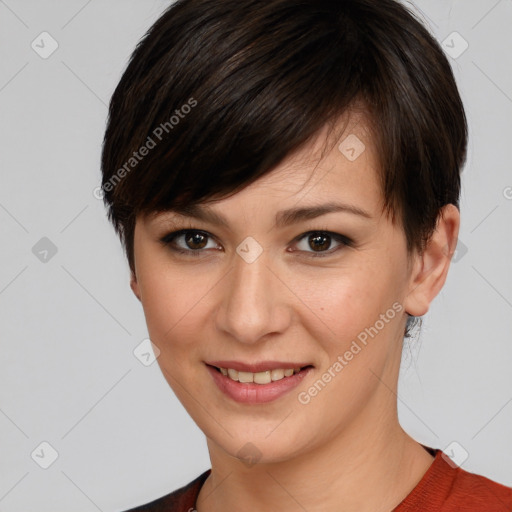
(263, 377)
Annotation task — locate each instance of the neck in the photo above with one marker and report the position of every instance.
(370, 466)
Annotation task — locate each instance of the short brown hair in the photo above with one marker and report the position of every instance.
(220, 92)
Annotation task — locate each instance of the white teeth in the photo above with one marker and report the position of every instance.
(264, 377)
(245, 377)
(277, 374)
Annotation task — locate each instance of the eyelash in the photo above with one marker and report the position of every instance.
(168, 239)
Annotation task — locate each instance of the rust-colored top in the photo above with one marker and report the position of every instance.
(443, 488)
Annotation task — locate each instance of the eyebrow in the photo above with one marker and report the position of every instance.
(283, 218)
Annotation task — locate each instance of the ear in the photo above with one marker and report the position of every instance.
(134, 285)
(431, 268)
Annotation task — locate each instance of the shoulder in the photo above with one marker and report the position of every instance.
(476, 492)
(180, 500)
(446, 487)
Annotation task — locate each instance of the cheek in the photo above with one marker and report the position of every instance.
(173, 300)
(342, 302)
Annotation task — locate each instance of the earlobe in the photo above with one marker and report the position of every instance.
(135, 286)
(430, 269)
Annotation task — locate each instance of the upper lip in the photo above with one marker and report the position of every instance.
(256, 367)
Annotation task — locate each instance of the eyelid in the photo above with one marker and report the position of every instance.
(169, 238)
(342, 240)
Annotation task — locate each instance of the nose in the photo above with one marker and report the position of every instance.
(253, 301)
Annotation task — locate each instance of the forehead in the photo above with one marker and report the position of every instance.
(339, 165)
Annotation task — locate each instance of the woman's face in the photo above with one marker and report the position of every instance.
(252, 290)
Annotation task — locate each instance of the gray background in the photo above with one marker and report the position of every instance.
(69, 323)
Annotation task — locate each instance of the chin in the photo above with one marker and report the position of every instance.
(256, 446)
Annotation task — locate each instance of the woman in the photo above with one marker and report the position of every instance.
(285, 179)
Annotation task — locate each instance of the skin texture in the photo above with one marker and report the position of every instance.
(345, 449)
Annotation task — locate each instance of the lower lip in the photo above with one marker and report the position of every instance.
(250, 393)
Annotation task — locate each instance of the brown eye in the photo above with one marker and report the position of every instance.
(195, 240)
(319, 242)
(188, 241)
